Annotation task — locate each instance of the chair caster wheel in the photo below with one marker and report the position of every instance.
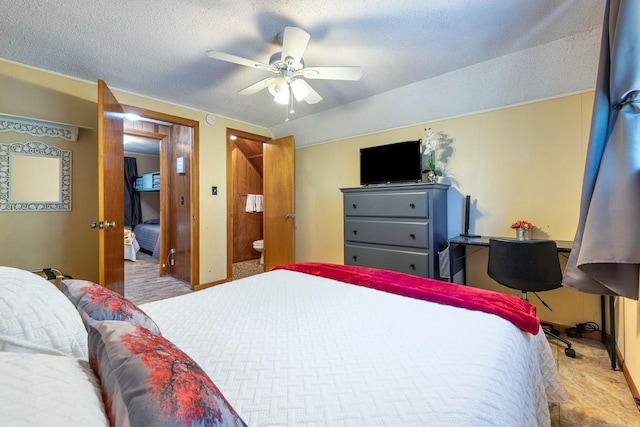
(570, 352)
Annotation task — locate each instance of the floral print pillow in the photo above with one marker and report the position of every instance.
(148, 381)
(95, 302)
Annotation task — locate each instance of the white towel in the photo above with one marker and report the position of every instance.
(258, 202)
(251, 203)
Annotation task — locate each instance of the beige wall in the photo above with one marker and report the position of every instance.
(33, 240)
(522, 162)
(64, 239)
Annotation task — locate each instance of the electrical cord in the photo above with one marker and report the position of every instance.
(582, 328)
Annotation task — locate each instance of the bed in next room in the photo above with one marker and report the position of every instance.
(148, 237)
(304, 344)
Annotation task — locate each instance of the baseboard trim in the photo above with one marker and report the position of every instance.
(627, 376)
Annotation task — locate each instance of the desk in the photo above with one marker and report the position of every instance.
(458, 247)
(458, 252)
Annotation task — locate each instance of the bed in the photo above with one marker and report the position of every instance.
(324, 344)
(148, 237)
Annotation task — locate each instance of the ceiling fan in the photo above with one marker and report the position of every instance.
(291, 72)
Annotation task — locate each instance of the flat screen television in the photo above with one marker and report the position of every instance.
(400, 162)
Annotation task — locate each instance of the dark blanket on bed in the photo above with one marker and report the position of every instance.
(518, 311)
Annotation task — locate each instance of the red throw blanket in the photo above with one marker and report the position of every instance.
(518, 311)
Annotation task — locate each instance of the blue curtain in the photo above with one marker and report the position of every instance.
(605, 257)
(132, 207)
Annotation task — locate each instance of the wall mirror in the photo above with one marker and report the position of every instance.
(34, 176)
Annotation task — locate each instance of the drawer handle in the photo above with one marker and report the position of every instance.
(412, 205)
(413, 266)
(413, 236)
(355, 206)
(355, 232)
(355, 257)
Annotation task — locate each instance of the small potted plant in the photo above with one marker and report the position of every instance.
(523, 229)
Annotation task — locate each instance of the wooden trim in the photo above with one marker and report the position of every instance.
(231, 192)
(627, 375)
(155, 115)
(164, 207)
(211, 284)
(144, 134)
(195, 206)
(194, 184)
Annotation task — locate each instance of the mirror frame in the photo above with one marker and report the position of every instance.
(38, 149)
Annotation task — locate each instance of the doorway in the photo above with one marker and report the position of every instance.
(169, 206)
(278, 204)
(246, 188)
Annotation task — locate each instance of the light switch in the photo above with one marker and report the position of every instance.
(214, 191)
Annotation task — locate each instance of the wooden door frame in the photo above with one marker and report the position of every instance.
(194, 169)
(246, 135)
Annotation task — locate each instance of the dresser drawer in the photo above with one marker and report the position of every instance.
(404, 261)
(396, 233)
(388, 203)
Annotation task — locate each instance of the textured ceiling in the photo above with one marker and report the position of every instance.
(157, 48)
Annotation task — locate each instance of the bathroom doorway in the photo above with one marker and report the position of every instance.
(247, 213)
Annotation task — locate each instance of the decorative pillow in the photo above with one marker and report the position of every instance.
(37, 318)
(148, 381)
(95, 302)
(45, 390)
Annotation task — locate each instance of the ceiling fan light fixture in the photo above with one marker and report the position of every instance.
(279, 88)
(282, 99)
(287, 65)
(299, 89)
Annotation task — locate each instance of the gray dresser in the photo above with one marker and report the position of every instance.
(396, 227)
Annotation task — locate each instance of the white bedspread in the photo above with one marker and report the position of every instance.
(287, 348)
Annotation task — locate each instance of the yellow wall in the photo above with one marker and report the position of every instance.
(522, 162)
(32, 240)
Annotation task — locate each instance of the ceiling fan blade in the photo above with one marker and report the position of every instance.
(332, 73)
(238, 60)
(294, 43)
(312, 97)
(256, 87)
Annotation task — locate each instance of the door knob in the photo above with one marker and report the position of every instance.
(289, 215)
(103, 224)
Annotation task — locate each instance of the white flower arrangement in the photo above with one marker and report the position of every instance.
(429, 144)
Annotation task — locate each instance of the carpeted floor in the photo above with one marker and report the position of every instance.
(247, 268)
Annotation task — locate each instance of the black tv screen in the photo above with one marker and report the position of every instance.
(391, 163)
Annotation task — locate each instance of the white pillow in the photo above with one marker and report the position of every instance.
(45, 390)
(35, 317)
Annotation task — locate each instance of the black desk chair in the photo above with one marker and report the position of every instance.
(529, 266)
